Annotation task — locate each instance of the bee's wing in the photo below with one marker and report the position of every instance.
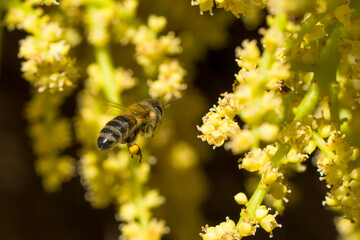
(113, 108)
(137, 109)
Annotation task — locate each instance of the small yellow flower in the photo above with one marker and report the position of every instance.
(237, 7)
(291, 7)
(261, 212)
(248, 55)
(241, 141)
(269, 175)
(317, 32)
(225, 230)
(204, 5)
(170, 81)
(343, 14)
(49, 2)
(269, 223)
(217, 125)
(156, 23)
(268, 132)
(278, 190)
(246, 228)
(128, 211)
(241, 198)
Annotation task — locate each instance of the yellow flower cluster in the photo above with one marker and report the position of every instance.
(110, 177)
(225, 230)
(335, 165)
(347, 229)
(218, 124)
(294, 97)
(45, 123)
(48, 65)
(299, 136)
(154, 52)
(169, 83)
(113, 177)
(254, 100)
(236, 7)
(116, 178)
(151, 49)
(49, 2)
(247, 227)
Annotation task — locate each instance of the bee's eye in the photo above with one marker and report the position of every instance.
(159, 109)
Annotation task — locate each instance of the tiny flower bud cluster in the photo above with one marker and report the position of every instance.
(298, 136)
(295, 96)
(169, 83)
(48, 65)
(109, 177)
(225, 230)
(43, 114)
(236, 7)
(341, 177)
(254, 99)
(246, 227)
(218, 124)
(152, 49)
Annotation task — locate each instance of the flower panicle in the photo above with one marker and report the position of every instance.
(299, 94)
(46, 50)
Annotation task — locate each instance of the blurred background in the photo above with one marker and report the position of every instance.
(195, 196)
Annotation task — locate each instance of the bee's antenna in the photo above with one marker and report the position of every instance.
(171, 102)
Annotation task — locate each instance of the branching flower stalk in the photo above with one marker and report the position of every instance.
(110, 177)
(296, 96)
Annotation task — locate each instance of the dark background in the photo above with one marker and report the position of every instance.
(27, 212)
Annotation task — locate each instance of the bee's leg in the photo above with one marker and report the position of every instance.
(134, 149)
(149, 130)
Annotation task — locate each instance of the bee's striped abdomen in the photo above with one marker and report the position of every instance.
(116, 130)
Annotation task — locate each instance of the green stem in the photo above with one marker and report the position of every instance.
(326, 66)
(104, 60)
(345, 116)
(280, 155)
(334, 103)
(321, 144)
(262, 189)
(268, 54)
(254, 202)
(324, 75)
(309, 102)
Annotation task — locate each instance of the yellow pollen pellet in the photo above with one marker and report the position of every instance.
(134, 149)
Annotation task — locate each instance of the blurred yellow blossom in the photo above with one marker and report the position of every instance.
(169, 83)
(48, 65)
(225, 230)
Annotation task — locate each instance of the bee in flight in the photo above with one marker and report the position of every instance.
(142, 117)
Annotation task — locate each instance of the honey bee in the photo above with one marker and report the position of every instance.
(142, 117)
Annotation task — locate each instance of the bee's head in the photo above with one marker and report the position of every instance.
(157, 106)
